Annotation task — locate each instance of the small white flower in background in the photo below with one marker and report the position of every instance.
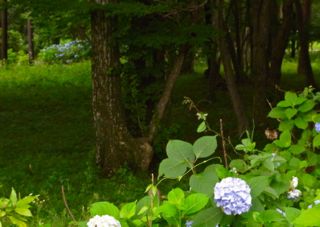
(202, 116)
(294, 182)
(294, 194)
(233, 195)
(189, 223)
(103, 221)
(317, 127)
(316, 202)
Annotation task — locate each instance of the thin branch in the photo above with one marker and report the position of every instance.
(66, 204)
(223, 145)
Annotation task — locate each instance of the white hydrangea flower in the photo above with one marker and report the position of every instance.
(294, 194)
(103, 221)
(294, 182)
(233, 195)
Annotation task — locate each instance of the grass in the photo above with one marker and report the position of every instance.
(47, 139)
(47, 136)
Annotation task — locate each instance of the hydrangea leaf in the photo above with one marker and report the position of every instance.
(258, 184)
(239, 164)
(291, 213)
(128, 210)
(169, 212)
(309, 217)
(204, 181)
(277, 112)
(176, 197)
(103, 208)
(205, 146)
(316, 141)
(171, 168)
(300, 123)
(290, 112)
(285, 140)
(208, 217)
(202, 127)
(307, 106)
(270, 216)
(179, 150)
(194, 203)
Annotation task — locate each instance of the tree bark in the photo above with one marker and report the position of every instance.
(280, 42)
(238, 107)
(30, 41)
(303, 20)
(261, 21)
(4, 26)
(114, 145)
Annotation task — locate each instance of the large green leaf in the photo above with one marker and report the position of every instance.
(204, 181)
(258, 184)
(179, 150)
(171, 168)
(128, 210)
(309, 217)
(285, 140)
(205, 146)
(209, 217)
(316, 141)
(277, 112)
(300, 123)
(194, 203)
(103, 208)
(307, 106)
(176, 197)
(290, 112)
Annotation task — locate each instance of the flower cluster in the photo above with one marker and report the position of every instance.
(103, 221)
(317, 127)
(233, 195)
(294, 193)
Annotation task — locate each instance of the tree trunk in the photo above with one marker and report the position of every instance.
(303, 20)
(30, 41)
(280, 42)
(114, 145)
(238, 107)
(260, 17)
(166, 95)
(4, 26)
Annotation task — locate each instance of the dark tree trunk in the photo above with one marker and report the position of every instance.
(280, 42)
(114, 145)
(30, 41)
(260, 17)
(303, 21)
(4, 26)
(238, 107)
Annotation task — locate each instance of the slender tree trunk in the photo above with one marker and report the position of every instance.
(303, 20)
(4, 26)
(280, 42)
(30, 41)
(261, 27)
(114, 145)
(238, 107)
(166, 95)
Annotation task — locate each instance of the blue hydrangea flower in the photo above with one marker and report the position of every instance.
(294, 194)
(189, 223)
(317, 127)
(233, 195)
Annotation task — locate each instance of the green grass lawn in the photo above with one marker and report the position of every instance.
(47, 136)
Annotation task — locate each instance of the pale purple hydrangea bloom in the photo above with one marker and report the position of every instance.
(233, 195)
(317, 126)
(103, 221)
(189, 223)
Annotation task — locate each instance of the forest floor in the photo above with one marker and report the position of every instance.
(47, 135)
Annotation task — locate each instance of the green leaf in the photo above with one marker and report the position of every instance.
(103, 208)
(169, 212)
(284, 103)
(17, 221)
(300, 123)
(290, 112)
(208, 218)
(308, 180)
(307, 106)
(176, 197)
(204, 181)
(194, 203)
(13, 197)
(23, 211)
(205, 146)
(293, 99)
(296, 149)
(239, 164)
(179, 150)
(277, 112)
(309, 217)
(285, 140)
(202, 127)
(128, 210)
(291, 213)
(258, 184)
(286, 125)
(316, 141)
(171, 168)
(269, 216)
(25, 202)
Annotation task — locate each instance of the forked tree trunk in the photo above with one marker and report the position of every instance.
(229, 75)
(114, 145)
(303, 20)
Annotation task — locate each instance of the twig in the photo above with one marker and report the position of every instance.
(66, 204)
(223, 145)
